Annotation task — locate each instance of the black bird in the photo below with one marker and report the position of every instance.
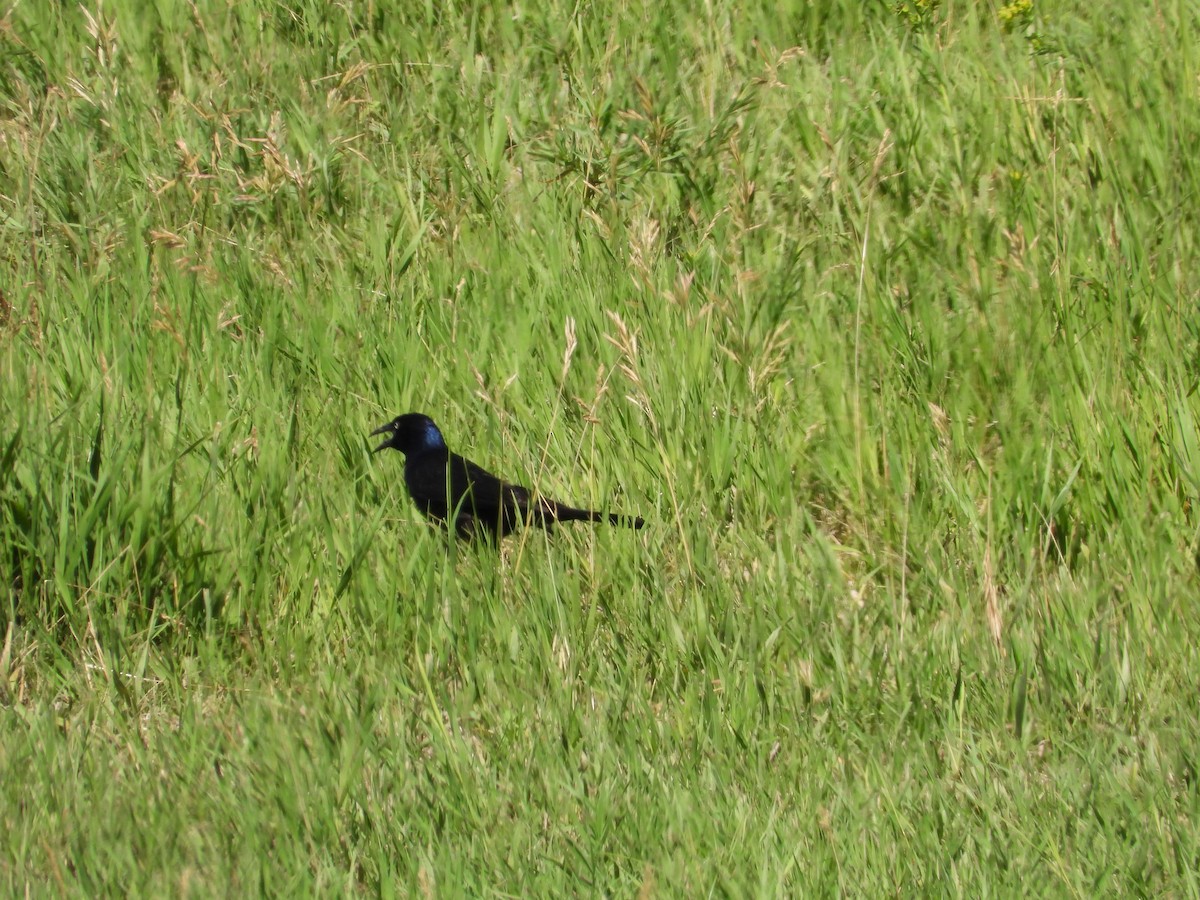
(446, 485)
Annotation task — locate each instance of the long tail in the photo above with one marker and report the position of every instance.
(571, 514)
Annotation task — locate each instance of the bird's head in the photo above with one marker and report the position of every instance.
(410, 433)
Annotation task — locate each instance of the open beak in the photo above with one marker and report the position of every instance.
(383, 429)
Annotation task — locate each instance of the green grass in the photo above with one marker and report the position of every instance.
(883, 315)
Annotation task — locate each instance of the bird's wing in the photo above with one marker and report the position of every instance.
(488, 494)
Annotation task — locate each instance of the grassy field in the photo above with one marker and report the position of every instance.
(884, 315)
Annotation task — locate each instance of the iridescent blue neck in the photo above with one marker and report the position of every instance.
(431, 438)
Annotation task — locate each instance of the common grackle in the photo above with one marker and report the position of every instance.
(446, 485)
